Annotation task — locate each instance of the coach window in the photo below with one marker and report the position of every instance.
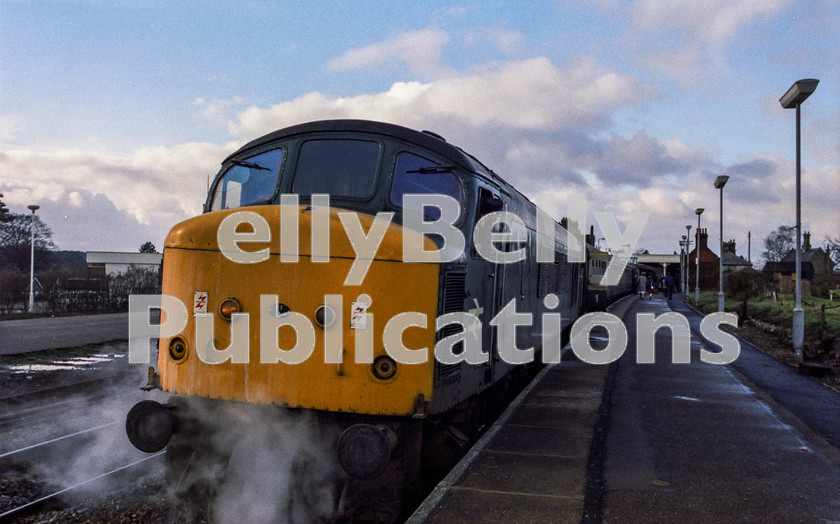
(417, 175)
(339, 168)
(247, 182)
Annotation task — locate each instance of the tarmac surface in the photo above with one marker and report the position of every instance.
(37, 334)
(658, 442)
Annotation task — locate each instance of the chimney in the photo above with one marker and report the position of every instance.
(806, 244)
(729, 247)
(704, 238)
(590, 238)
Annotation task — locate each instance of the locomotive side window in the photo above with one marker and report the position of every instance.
(339, 168)
(417, 175)
(249, 181)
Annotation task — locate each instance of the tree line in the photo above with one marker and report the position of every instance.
(62, 283)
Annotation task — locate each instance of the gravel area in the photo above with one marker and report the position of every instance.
(137, 500)
(143, 501)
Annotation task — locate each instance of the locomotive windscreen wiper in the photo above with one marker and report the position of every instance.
(428, 170)
(249, 165)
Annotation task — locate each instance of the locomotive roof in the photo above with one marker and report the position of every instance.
(424, 139)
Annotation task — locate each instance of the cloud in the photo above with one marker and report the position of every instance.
(639, 160)
(506, 41)
(709, 21)
(107, 201)
(419, 50)
(526, 94)
(687, 39)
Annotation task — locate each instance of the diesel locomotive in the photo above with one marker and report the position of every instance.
(272, 273)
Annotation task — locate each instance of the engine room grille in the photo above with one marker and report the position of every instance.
(452, 301)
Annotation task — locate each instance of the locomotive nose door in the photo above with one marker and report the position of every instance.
(488, 282)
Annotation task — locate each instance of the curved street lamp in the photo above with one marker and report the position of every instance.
(698, 212)
(32, 208)
(719, 183)
(793, 98)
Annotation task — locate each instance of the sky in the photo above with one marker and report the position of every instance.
(113, 114)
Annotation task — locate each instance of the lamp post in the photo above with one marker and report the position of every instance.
(793, 98)
(32, 208)
(719, 183)
(687, 261)
(698, 212)
(683, 253)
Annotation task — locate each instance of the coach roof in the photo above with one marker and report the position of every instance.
(423, 139)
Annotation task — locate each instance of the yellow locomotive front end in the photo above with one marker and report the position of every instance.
(332, 354)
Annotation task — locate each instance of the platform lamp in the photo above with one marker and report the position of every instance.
(687, 261)
(793, 98)
(698, 212)
(32, 208)
(683, 255)
(719, 183)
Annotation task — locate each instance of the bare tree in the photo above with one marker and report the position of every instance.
(832, 247)
(15, 241)
(779, 243)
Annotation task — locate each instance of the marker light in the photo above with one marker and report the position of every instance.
(228, 307)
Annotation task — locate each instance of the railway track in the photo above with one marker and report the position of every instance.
(83, 386)
(63, 496)
(60, 443)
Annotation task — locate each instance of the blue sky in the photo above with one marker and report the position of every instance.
(113, 113)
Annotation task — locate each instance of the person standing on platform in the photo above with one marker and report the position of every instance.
(642, 286)
(669, 285)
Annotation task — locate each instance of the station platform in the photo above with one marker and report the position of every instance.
(630, 442)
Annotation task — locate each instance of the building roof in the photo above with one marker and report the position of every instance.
(731, 259)
(116, 257)
(806, 255)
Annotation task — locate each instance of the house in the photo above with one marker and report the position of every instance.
(815, 262)
(732, 262)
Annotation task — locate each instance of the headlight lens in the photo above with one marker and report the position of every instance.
(384, 367)
(178, 349)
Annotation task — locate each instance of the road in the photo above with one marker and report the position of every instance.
(36, 334)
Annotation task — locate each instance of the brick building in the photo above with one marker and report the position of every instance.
(709, 264)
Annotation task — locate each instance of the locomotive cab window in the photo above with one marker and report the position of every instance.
(414, 174)
(339, 168)
(247, 182)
